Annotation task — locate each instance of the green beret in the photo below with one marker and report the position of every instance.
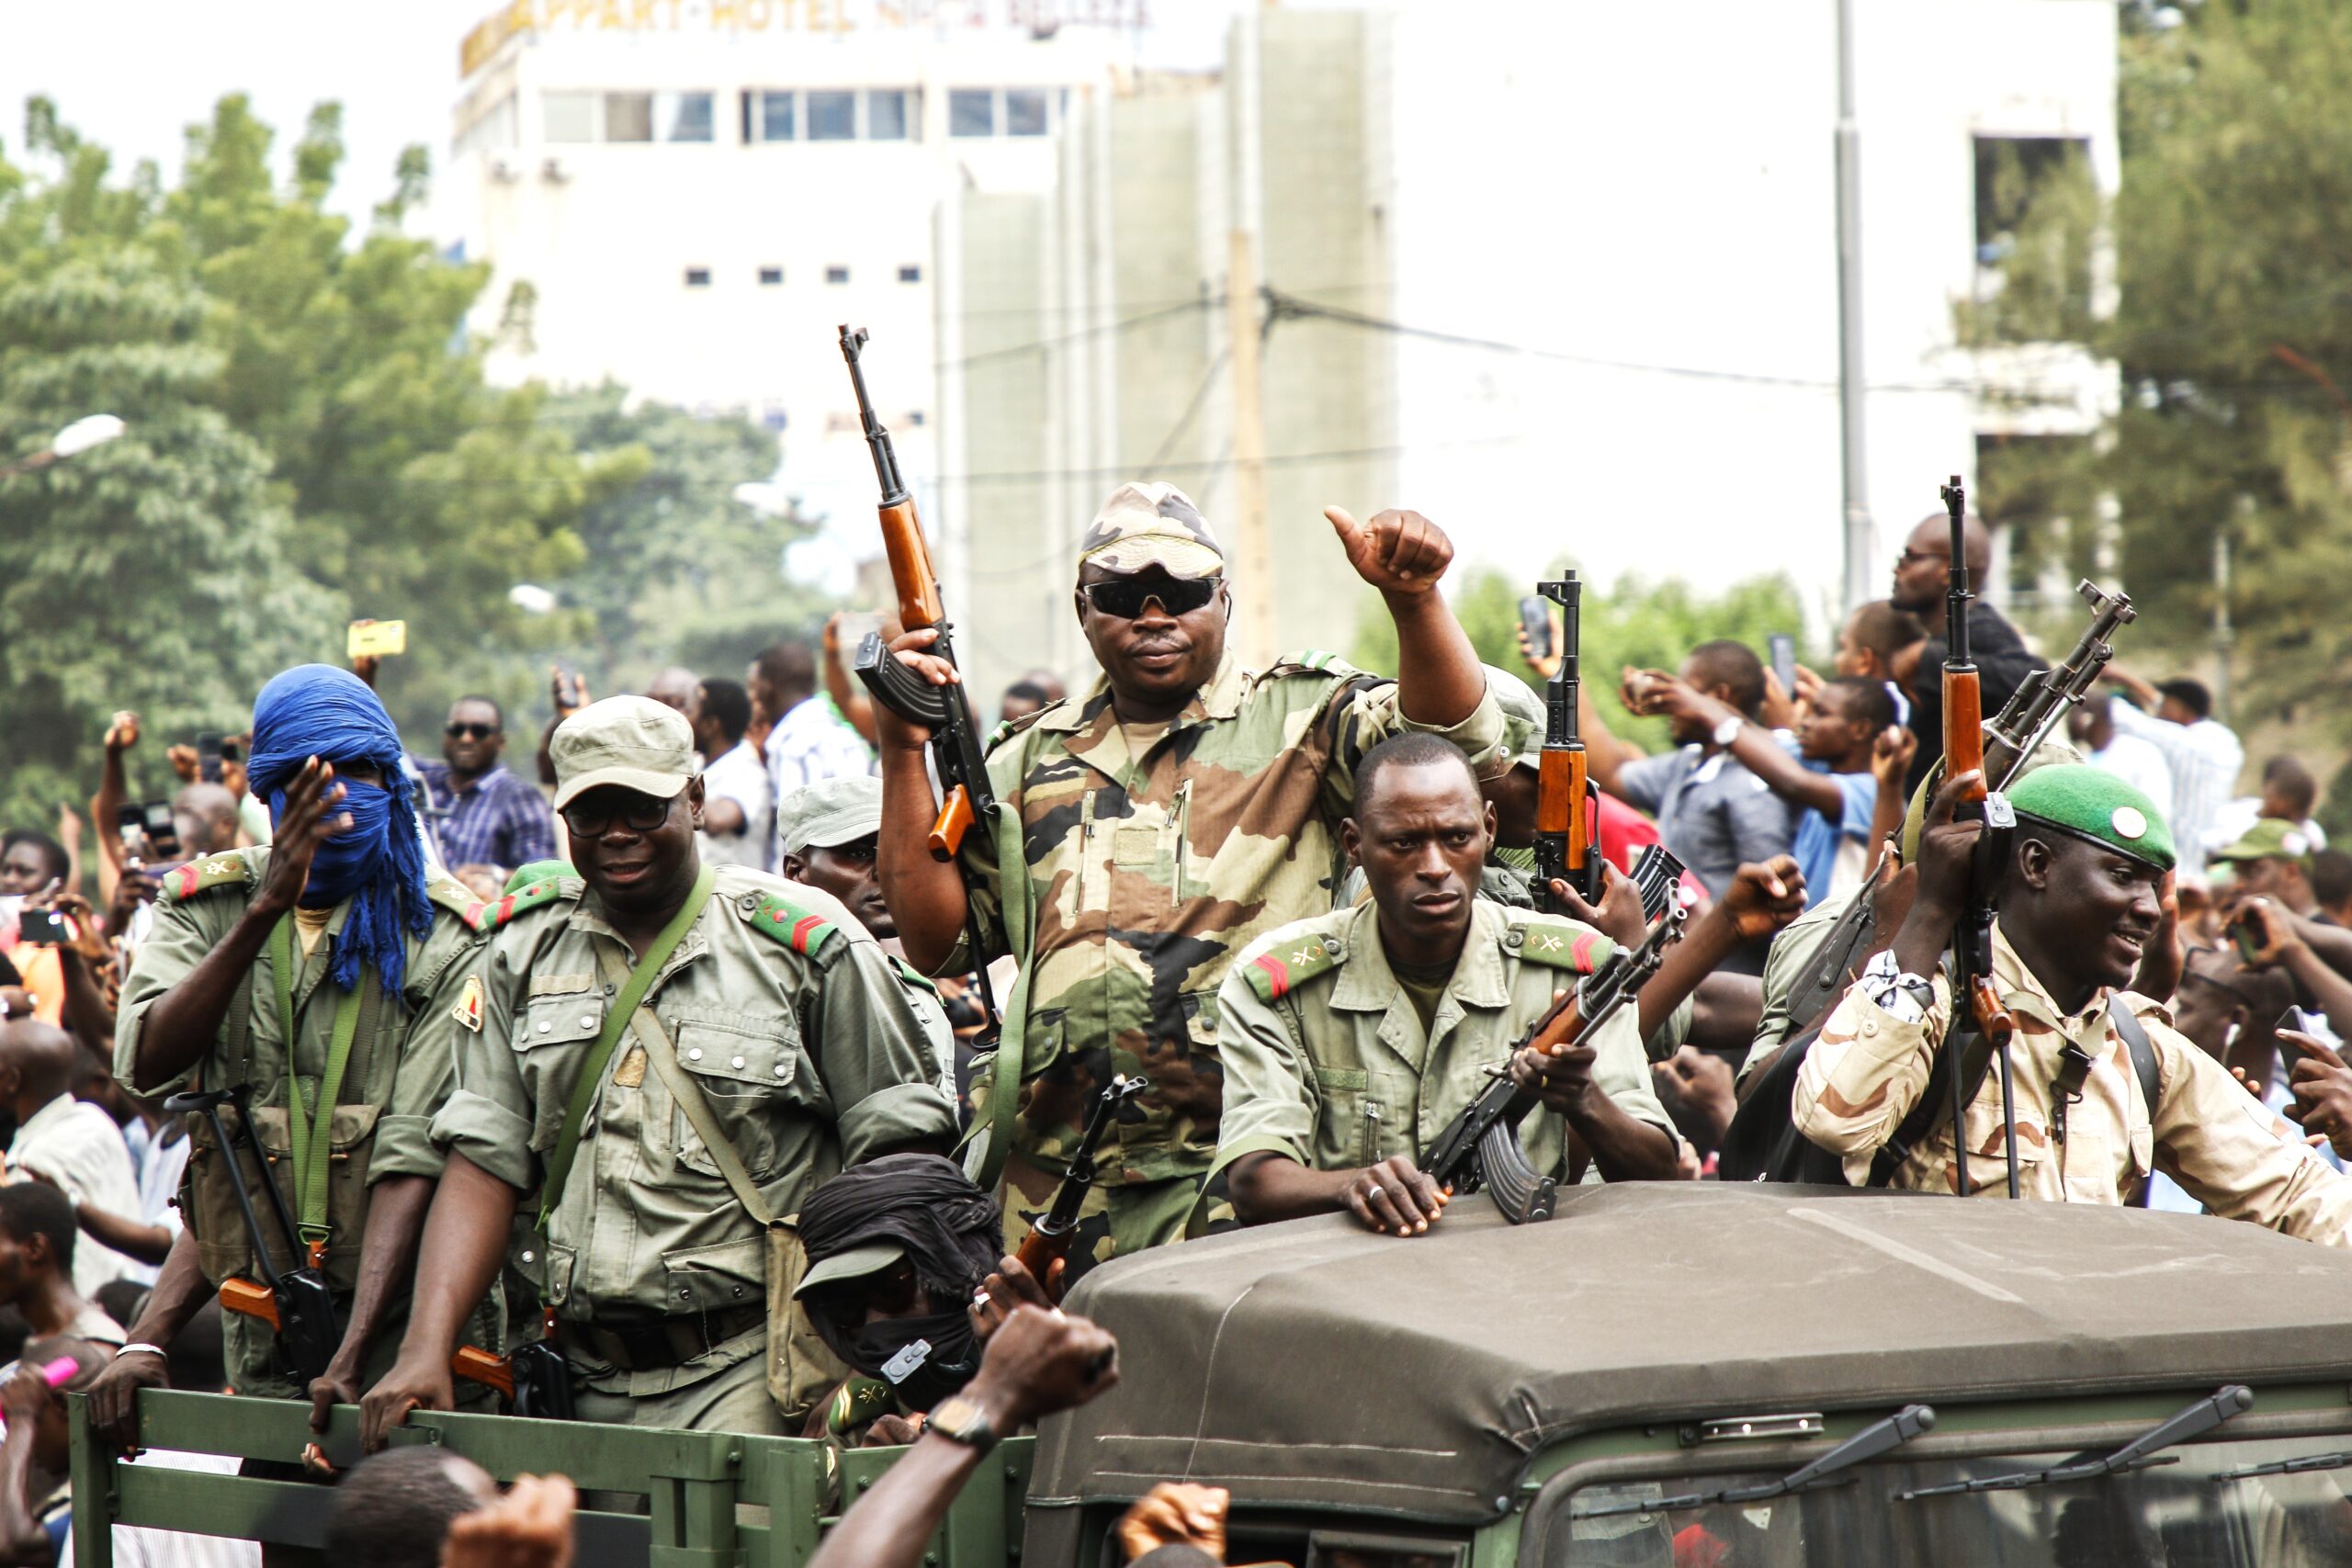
(2094, 804)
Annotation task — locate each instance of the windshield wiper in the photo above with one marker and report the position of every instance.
(2142, 1451)
(1880, 1437)
(2302, 1466)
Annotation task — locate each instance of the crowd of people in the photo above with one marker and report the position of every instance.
(673, 1059)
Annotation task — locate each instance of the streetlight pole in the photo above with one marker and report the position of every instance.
(95, 430)
(1861, 537)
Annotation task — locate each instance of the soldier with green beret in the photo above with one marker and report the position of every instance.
(2079, 902)
(671, 1056)
(1352, 1039)
(1148, 831)
(2271, 860)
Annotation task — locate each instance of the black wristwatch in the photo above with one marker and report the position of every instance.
(961, 1420)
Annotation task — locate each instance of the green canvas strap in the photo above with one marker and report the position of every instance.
(592, 1067)
(700, 1115)
(986, 1165)
(309, 1132)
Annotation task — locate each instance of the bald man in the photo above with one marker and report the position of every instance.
(70, 1144)
(1922, 578)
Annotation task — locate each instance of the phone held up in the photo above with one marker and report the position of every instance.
(1535, 623)
(1784, 661)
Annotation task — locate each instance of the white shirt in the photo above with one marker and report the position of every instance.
(810, 744)
(79, 1147)
(137, 1547)
(741, 776)
(2206, 759)
(2138, 763)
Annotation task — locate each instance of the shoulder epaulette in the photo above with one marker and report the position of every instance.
(489, 917)
(537, 870)
(204, 874)
(914, 976)
(1006, 728)
(1288, 963)
(780, 920)
(1562, 944)
(1310, 661)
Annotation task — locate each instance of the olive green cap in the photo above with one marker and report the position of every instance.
(2049, 753)
(2094, 804)
(634, 742)
(839, 810)
(2268, 838)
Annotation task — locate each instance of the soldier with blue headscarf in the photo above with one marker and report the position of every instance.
(330, 974)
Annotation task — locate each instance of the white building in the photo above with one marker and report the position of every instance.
(688, 197)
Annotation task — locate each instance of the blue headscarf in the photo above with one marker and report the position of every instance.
(378, 862)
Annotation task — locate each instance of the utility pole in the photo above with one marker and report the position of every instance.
(2225, 635)
(1860, 536)
(1252, 535)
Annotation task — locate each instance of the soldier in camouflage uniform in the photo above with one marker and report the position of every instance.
(1350, 1040)
(1161, 822)
(774, 1008)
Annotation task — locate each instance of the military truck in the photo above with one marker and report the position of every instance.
(1667, 1374)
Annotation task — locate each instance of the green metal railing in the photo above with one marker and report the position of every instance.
(714, 1499)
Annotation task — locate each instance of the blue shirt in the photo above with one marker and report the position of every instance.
(500, 821)
(1819, 838)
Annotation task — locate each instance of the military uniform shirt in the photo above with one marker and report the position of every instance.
(1148, 874)
(1869, 1067)
(1325, 1060)
(789, 1016)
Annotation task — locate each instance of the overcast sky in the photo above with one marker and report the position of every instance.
(132, 75)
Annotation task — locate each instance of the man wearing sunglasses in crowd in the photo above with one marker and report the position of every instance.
(478, 811)
(665, 1054)
(1163, 820)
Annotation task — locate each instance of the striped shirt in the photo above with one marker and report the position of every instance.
(2205, 758)
(500, 820)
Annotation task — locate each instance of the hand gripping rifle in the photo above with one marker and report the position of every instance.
(1480, 1147)
(296, 1304)
(1563, 848)
(1051, 1238)
(1975, 993)
(533, 1379)
(945, 711)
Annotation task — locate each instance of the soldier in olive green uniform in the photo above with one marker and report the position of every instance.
(1159, 824)
(345, 889)
(773, 1010)
(1352, 1039)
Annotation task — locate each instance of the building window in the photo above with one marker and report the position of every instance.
(687, 116)
(771, 117)
(911, 274)
(697, 278)
(1025, 111)
(971, 111)
(628, 116)
(837, 275)
(891, 114)
(568, 116)
(832, 117)
(771, 276)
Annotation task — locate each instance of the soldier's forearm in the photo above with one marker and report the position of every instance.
(1625, 1149)
(1268, 1186)
(396, 1210)
(179, 1294)
(926, 897)
(181, 1025)
(464, 1240)
(1439, 681)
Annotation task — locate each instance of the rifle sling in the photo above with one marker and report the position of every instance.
(591, 1078)
(663, 1055)
(310, 1135)
(985, 1163)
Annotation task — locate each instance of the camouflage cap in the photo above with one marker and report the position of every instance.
(634, 742)
(832, 811)
(1523, 719)
(2268, 838)
(1151, 525)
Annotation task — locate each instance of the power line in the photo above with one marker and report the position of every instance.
(1125, 324)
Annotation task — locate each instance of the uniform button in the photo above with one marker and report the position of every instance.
(694, 1053)
(527, 1257)
(1869, 1026)
(739, 1062)
(545, 1026)
(779, 1069)
(587, 1021)
(1331, 944)
(1514, 939)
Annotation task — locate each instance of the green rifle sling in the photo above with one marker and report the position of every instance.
(311, 1135)
(592, 1068)
(1013, 1039)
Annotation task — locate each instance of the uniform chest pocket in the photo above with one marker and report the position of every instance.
(559, 1020)
(750, 1075)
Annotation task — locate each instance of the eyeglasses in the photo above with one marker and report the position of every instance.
(1910, 555)
(589, 818)
(471, 732)
(1126, 600)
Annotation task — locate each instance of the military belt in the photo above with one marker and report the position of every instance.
(664, 1342)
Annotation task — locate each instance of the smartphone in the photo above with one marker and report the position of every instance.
(2304, 1021)
(162, 833)
(375, 639)
(1535, 620)
(1784, 661)
(210, 746)
(130, 822)
(42, 927)
(2242, 933)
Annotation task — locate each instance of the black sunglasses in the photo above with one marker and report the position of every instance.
(1126, 600)
(637, 813)
(469, 731)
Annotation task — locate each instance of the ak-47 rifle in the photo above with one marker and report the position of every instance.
(1563, 848)
(294, 1303)
(1975, 994)
(945, 711)
(1051, 1239)
(2044, 698)
(1480, 1147)
(533, 1379)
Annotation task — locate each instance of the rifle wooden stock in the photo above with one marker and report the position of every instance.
(477, 1365)
(955, 819)
(910, 557)
(1039, 1252)
(251, 1300)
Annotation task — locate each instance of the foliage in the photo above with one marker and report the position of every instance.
(2232, 239)
(1641, 623)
